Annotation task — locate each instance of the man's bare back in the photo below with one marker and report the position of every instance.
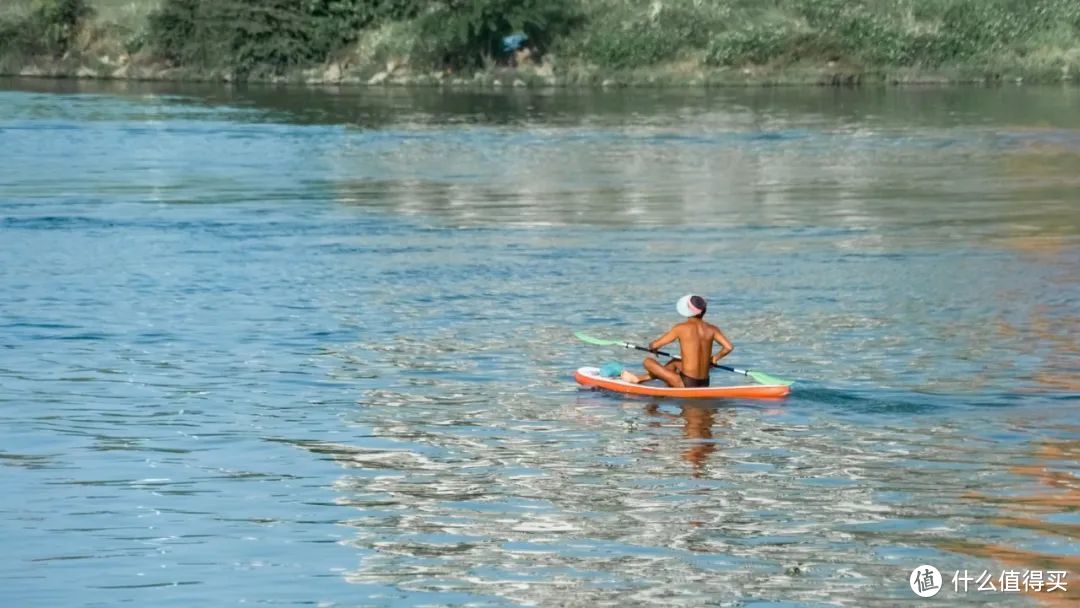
(695, 338)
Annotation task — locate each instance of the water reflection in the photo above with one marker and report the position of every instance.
(1051, 330)
(1047, 506)
(697, 422)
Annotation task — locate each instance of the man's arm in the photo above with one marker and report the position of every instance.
(725, 345)
(665, 339)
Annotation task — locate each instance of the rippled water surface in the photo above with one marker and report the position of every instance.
(314, 347)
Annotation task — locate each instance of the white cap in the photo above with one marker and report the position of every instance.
(685, 306)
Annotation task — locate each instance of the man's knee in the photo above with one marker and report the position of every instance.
(653, 366)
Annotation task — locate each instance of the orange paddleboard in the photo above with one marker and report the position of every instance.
(590, 376)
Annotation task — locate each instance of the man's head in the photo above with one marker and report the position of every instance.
(691, 306)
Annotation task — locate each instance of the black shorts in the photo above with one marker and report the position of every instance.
(689, 382)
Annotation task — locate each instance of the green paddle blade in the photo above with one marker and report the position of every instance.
(586, 338)
(764, 378)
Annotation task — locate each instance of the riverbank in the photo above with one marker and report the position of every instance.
(593, 43)
(827, 74)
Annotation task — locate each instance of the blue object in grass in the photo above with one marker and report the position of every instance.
(513, 42)
(611, 370)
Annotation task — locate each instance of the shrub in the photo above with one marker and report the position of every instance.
(754, 44)
(631, 34)
(270, 33)
(339, 21)
(48, 29)
(178, 32)
(465, 33)
(245, 35)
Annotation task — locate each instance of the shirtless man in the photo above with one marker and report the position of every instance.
(695, 338)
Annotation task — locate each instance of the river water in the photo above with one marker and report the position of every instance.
(296, 347)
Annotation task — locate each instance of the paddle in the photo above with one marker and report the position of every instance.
(759, 377)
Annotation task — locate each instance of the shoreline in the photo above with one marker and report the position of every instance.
(528, 78)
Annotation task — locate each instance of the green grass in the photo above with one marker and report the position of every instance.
(878, 33)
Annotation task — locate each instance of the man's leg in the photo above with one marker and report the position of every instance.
(668, 373)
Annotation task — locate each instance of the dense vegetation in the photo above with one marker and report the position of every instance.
(257, 37)
(244, 35)
(276, 34)
(47, 29)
